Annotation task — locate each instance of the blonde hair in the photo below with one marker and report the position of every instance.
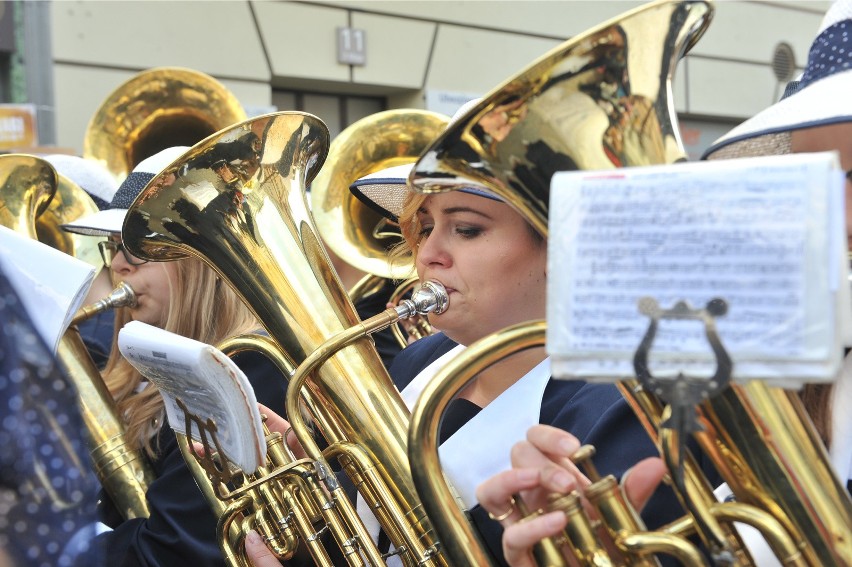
(202, 307)
(409, 227)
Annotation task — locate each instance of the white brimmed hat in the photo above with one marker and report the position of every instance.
(822, 96)
(93, 178)
(385, 191)
(110, 220)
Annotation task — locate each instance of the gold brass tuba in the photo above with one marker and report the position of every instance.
(27, 185)
(156, 109)
(69, 202)
(236, 200)
(356, 233)
(351, 229)
(601, 101)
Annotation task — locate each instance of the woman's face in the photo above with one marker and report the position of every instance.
(825, 138)
(150, 281)
(486, 256)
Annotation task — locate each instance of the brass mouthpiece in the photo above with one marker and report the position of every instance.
(121, 296)
(430, 297)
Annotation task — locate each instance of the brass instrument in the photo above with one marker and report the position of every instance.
(121, 296)
(356, 233)
(69, 202)
(236, 201)
(598, 103)
(27, 184)
(156, 109)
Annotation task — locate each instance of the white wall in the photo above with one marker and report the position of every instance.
(413, 47)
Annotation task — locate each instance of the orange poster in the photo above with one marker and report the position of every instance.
(18, 126)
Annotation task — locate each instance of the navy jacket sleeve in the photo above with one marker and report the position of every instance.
(181, 529)
(417, 356)
(598, 415)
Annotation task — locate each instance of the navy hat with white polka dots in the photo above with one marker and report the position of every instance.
(820, 97)
(110, 220)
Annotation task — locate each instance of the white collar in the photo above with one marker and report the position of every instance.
(481, 447)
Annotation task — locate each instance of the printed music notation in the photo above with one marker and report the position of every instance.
(206, 381)
(765, 234)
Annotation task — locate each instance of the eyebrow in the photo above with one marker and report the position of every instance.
(453, 210)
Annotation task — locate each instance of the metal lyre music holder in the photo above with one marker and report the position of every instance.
(683, 393)
(214, 462)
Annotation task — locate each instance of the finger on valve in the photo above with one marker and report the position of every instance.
(259, 555)
(520, 538)
(277, 424)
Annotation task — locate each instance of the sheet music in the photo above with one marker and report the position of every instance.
(51, 284)
(206, 381)
(765, 234)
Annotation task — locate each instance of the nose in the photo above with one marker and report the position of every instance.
(433, 252)
(120, 265)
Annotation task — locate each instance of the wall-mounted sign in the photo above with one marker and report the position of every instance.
(351, 46)
(18, 126)
(447, 102)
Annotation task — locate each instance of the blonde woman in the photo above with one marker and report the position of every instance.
(184, 297)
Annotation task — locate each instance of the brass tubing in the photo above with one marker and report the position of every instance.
(224, 527)
(620, 520)
(461, 543)
(658, 542)
(696, 494)
(785, 549)
(779, 464)
(581, 535)
(121, 296)
(124, 474)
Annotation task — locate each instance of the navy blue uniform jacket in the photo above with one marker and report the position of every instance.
(596, 414)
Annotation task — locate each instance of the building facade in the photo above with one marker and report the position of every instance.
(343, 60)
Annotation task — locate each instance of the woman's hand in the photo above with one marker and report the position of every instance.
(257, 552)
(542, 465)
(278, 424)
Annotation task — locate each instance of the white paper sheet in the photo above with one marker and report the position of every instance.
(765, 234)
(51, 284)
(209, 384)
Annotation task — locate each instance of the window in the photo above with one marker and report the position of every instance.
(337, 111)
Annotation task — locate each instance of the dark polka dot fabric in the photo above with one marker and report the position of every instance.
(47, 490)
(829, 54)
(130, 189)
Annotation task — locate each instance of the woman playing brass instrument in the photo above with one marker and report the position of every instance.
(493, 265)
(185, 297)
(814, 115)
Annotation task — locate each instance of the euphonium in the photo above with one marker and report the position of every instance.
(69, 202)
(236, 200)
(601, 101)
(356, 233)
(27, 184)
(598, 103)
(156, 109)
(379, 141)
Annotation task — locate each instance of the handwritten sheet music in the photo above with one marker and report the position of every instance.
(765, 234)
